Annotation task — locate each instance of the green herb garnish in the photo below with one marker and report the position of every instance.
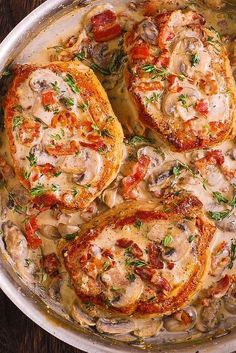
(232, 253)
(100, 69)
(17, 121)
(191, 238)
(218, 216)
(55, 86)
(71, 83)
(153, 98)
(194, 60)
(167, 240)
(84, 107)
(32, 159)
(131, 277)
(38, 190)
(70, 236)
(219, 197)
(68, 102)
(138, 224)
(135, 140)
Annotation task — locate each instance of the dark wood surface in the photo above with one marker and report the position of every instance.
(18, 334)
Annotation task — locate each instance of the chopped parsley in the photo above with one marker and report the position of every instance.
(138, 263)
(138, 224)
(95, 128)
(100, 69)
(106, 133)
(117, 61)
(48, 108)
(176, 171)
(28, 262)
(105, 265)
(32, 159)
(110, 119)
(55, 86)
(74, 191)
(84, 107)
(70, 236)
(153, 98)
(194, 60)
(56, 137)
(232, 253)
(38, 190)
(218, 216)
(55, 188)
(131, 277)
(26, 174)
(18, 108)
(57, 174)
(191, 238)
(183, 100)
(135, 140)
(219, 197)
(167, 240)
(17, 121)
(81, 55)
(157, 72)
(71, 83)
(68, 102)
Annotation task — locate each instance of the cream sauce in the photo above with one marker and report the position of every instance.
(202, 187)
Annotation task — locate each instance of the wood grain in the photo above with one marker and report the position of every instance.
(18, 334)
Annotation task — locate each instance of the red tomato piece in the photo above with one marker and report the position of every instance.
(95, 143)
(48, 98)
(104, 18)
(46, 168)
(140, 52)
(31, 228)
(202, 107)
(50, 263)
(107, 33)
(139, 171)
(124, 243)
(105, 27)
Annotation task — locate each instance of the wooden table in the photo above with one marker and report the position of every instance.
(18, 334)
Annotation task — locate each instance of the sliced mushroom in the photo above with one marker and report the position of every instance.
(42, 157)
(230, 300)
(115, 326)
(86, 166)
(50, 232)
(20, 195)
(233, 154)
(172, 104)
(156, 158)
(148, 31)
(131, 294)
(228, 224)
(111, 197)
(81, 317)
(65, 229)
(161, 178)
(39, 80)
(181, 321)
(54, 288)
(101, 54)
(147, 328)
(211, 315)
(16, 245)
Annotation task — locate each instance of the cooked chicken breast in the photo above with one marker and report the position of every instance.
(179, 79)
(65, 141)
(143, 259)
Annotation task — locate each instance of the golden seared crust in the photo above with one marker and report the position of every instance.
(180, 80)
(141, 259)
(64, 139)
